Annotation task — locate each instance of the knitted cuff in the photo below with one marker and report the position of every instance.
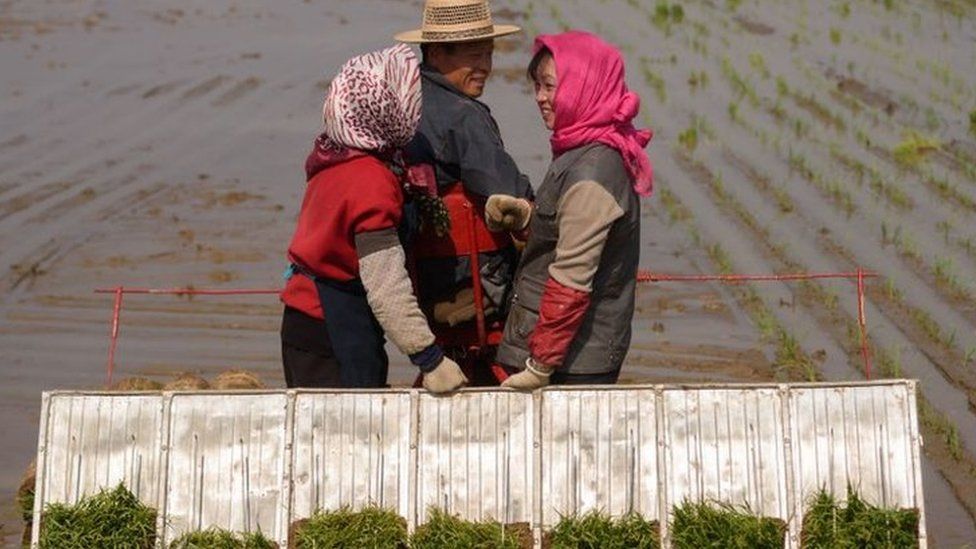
(428, 359)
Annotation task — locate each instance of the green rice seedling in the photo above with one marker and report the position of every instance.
(676, 210)
(791, 358)
(740, 85)
(721, 258)
(662, 15)
(890, 365)
(677, 13)
(765, 323)
(944, 227)
(734, 111)
(445, 531)
(972, 122)
(913, 149)
(932, 120)
(25, 502)
(597, 530)
(927, 324)
(758, 63)
(697, 525)
(942, 426)
(653, 79)
(111, 518)
(689, 138)
(344, 528)
(967, 245)
(829, 524)
(909, 249)
(891, 192)
(218, 538)
(835, 36)
(948, 191)
(782, 88)
(698, 79)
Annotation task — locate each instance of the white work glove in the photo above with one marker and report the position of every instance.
(534, 376)
(445, 378)
(506, 213)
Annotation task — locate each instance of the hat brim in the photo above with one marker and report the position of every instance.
(417, 36)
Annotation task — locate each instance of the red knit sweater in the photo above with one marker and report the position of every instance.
(342, 199)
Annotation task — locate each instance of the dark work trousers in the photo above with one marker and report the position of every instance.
(345, 350)
(306, 351)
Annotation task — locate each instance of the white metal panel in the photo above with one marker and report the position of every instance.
(98, 441)
(226, 463)
(599, 452)
(726, 445)
(351, 449)
(862, 436)
(251, 461)
(475, 455)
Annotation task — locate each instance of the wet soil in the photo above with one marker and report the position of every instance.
(158, 145)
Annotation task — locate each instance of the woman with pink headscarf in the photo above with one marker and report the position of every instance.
(348, 287)
(574, 295)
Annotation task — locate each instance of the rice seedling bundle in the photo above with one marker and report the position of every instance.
(136, 384)
(828, 523)
(217, 538)
(187, 382)
(446, 531)
(236, 380)
(111, 518)
(596, 529)
(370, 527)
(698, 525)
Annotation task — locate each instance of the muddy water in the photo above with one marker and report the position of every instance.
(155, 144)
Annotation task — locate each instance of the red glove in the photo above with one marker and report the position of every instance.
(561, 312)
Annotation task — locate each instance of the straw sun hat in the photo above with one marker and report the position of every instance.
(456, 21)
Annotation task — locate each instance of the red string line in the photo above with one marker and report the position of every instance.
(642, 276)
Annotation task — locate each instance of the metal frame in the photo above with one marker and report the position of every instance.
(515, 457)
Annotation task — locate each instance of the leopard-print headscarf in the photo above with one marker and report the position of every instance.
(373, 104)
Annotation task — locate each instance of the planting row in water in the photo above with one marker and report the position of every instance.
(116, 518)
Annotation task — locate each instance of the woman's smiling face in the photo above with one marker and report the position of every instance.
(545, 90)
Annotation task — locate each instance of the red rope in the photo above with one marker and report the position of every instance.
(642, 276)
(648, 276)
(187, 291)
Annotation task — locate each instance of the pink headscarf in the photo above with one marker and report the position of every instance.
(373, 104)
(593, 103)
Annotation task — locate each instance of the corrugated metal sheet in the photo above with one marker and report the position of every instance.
(262, 460)
(599, 451)
(226, 458)
(475, 455)
(866, 438)
(726, 444)
(95, 441)
(352, 449)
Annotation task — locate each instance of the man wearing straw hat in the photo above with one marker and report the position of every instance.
(459, 137)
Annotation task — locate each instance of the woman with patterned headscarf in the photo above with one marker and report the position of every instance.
(574, 292)
(348, 284)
